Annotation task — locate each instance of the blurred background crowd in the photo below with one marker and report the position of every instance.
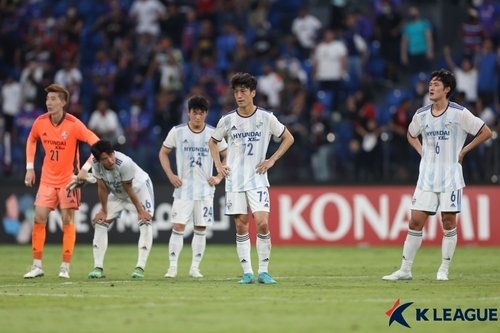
(344, 76)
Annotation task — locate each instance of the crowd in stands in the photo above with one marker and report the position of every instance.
(346, 85)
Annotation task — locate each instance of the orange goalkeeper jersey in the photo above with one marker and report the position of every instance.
(60, 143)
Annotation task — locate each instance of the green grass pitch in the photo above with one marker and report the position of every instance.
(320, 289)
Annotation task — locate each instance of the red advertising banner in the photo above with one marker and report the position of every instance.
(374, 216)
(300, 215)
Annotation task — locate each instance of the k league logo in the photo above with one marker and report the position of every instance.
(396, 314)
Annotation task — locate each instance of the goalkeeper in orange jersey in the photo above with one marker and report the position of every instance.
(59, 134)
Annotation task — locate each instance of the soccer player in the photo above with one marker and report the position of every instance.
(121, 185)
(248, 130)
(59, 134)
(443, 127)
(194, 183)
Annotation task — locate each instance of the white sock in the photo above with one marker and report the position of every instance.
(65, 265)
(37, 262)
(243, 248)
(263, 245)
(198, 245)
(144, 244)
(410, 248)
(175, 245)
(100, 244)
(448, 246)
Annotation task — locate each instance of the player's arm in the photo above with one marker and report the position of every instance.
(286, 142)
(83, 174)
(414, 142)
(483, 135)
(167, 168)
(222, 169)
(142, 214)
(215, 180)
(102, 194)
(86, 135)
(30, 176)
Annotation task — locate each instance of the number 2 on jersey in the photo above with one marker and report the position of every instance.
(54, 155)
(249, 148)
(193, 161)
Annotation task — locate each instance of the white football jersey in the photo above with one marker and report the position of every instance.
(443, 138)
(125, 170)
(248, 139)
(193, 159)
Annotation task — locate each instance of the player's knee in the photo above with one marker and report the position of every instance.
(416, 225)
(177, 227)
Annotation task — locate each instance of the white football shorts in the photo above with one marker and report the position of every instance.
(450, 202)
(116, 205)
(199, 212)
(257, 200)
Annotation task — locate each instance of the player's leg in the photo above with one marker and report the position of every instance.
(99, 248)
(450, 207)
(239, 210)
(202, 216)
(146, 197)
(100, 241)
(423, 205)
(182, 213)
(68, 243)
(263, 245)
(45, 202)
(448, 244)
(198, 246)
(260, 206)
(69, 202)
(144, 248)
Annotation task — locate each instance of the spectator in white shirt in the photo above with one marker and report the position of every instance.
(305, 28)
(330, 65)
(147, 15)
(11, 104)
(104, 123)
(270, 84)
(70, 77)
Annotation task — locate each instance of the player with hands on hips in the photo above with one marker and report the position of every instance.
(248, 130)
(443, 127)
(121, 186)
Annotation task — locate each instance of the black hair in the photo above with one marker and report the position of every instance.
(101, 146)
(447, 78)
(244, 80)
(198, 103)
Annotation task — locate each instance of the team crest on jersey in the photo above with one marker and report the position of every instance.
(64, 135)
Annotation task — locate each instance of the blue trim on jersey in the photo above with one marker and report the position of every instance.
(149, 186)
(264, 110)
(456, 106)
(118, 161)
(424, 108)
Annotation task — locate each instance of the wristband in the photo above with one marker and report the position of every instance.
(30, 166)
